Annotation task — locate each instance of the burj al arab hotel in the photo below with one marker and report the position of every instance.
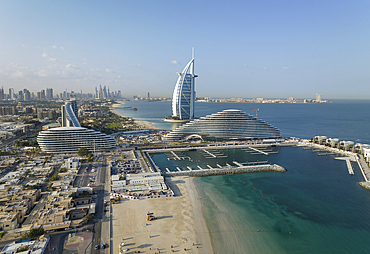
(184, 93)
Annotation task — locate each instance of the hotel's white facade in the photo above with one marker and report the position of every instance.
(226, 125)
(70, 139)
(184, 93)
(71, 136)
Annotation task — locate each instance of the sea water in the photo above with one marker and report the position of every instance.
(314, 207)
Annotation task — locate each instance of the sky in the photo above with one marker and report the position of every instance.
(244, 49)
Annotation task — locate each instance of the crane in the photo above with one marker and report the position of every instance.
(257, 109)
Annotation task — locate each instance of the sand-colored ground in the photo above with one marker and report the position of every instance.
(179, 223)
(145, 124)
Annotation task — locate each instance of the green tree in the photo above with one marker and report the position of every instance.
(83, 152)
(34, 233)
(87, 218)
(90, 157)
(55, 177)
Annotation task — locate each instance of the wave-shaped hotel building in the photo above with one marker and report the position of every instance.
(226, 125)
(71, 136)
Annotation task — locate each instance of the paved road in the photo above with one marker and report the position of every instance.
(101, 229)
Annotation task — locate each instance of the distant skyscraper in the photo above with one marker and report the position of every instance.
(100, 93)
(184, 93)
(49, 93)
(11, 93)
(2, 94)
(318, 97)
(20, 95)
(27, 95)
(105, 92)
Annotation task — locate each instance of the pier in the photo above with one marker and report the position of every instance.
(209, 166)
(199, 167)
(238, 164)
(228, 170)
(218, 165)
(178, 169)
(256, 150)
(176, 156)
(214, 156)
(348, 160)
(168, 170)
(189, 168)
(349, 166)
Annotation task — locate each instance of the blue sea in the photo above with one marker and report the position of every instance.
(314, 207)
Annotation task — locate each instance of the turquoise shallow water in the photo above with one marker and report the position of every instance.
(314, 207)
(323, 207)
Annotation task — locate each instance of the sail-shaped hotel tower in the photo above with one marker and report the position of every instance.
(184, 93)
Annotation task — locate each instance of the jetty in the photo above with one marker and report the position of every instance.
(256, 150)
(238, 164)
(228, 170)
(348, 160)
(214, 156)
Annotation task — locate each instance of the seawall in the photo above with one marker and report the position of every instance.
(227, 170)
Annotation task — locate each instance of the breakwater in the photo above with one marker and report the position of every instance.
(227, 170)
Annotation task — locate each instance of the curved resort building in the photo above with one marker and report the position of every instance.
(227, 125)
(69, 114)
(184, 93)
(70, 139)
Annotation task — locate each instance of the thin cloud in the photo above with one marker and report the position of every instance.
(44, 55)
(285, 68)
(54, 47)
(108, 70)
(52, 59)
(174, 62)
(135, 64)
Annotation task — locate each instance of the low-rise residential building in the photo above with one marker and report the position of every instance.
(53, 218)
(367, 154)
(34, 247)
(9, 221)
(78, 213)
(34, 195)
(22, 206)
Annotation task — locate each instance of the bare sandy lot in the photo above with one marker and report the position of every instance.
(179, 224)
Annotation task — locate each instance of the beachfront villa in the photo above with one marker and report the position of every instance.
(227, 125)
(184, 93)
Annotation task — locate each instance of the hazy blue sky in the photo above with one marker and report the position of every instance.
(242, 48)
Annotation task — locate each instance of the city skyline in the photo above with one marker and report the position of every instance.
(269, 49)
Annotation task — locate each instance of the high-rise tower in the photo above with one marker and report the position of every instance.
(184, 93)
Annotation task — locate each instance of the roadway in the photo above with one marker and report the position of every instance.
(102, 218)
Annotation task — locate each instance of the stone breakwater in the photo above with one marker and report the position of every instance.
(227, 170)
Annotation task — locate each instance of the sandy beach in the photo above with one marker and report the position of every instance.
(145, 124)
(179, 225)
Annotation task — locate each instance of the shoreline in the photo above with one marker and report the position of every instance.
(145, 124)
(179, 222)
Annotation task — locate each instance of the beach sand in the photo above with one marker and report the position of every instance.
(145, 124)
(179, 222)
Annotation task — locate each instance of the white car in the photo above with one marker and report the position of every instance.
(122, 244)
